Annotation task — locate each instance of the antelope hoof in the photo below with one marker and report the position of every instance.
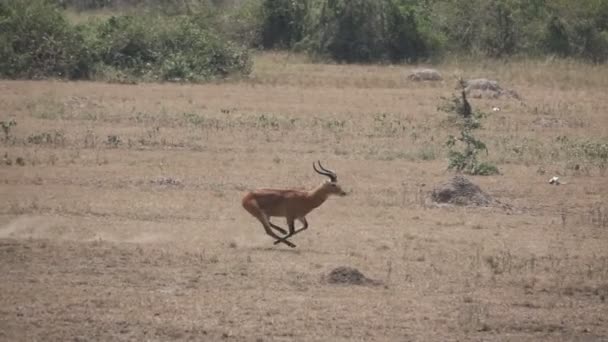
(288, 243)
(284, 240)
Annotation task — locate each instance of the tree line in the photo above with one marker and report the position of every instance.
(196, 40)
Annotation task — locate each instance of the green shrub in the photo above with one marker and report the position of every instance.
(365, 31)
(556, 39)
(499, 36)
(591, 153)
(169, 48)
(283, 22)
(243, 24)
(6, 128)
(37, 41)
(589, 42)
(403, 39)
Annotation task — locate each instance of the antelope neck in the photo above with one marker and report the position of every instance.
(318, 196)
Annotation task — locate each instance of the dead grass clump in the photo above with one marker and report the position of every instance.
(460, 191)
(425, 75)
(549, 122)
(348, 276)
(166, 181)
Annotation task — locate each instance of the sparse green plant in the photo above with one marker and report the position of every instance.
(6, 160)
(153, 133)
(501, 262)
(587, 153)
(47, 138)
(6, 128)
(335, 125)
(463, 154)
(268, 121)
(113, 140)
(90, 139)
(194, 119)
(388, 124)
(597, 153)
(52, 160)
(426, 153)
(599, 216)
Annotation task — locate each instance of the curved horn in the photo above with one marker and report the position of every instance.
(314, 166)
(329, 173)
(324, 169)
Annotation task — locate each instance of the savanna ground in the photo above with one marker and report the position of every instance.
(125, 222)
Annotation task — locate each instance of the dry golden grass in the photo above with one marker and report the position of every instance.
(125, 221)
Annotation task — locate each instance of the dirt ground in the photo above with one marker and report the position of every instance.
(124, 221)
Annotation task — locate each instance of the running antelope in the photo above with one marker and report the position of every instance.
(291, 204)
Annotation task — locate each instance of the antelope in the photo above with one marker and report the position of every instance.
(291, 204)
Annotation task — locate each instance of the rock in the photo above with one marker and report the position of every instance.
(482, 84)
(482, 87)
(425, 75)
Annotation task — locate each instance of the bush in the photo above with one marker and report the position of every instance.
(169, 48)
(404, 40)
(37, 41)
(556, 38)
(588, 42)
(283, 22)
(243, 24)
(365, 31)
(499, 36)
(351, 31)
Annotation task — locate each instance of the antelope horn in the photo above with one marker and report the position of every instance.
(329, 173)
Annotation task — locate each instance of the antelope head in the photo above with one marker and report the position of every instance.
(331, 186)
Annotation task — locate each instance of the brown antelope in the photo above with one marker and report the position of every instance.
(291, 204)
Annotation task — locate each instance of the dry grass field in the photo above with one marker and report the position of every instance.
(120, 213)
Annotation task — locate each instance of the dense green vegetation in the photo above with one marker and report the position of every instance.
(37, 40)
(205, 39)
(364, 30)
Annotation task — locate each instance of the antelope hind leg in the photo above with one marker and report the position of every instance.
(281, 230)
(292, 231)
(285, 241)
(268, 228)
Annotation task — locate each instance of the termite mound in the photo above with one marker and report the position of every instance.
(344, 275)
